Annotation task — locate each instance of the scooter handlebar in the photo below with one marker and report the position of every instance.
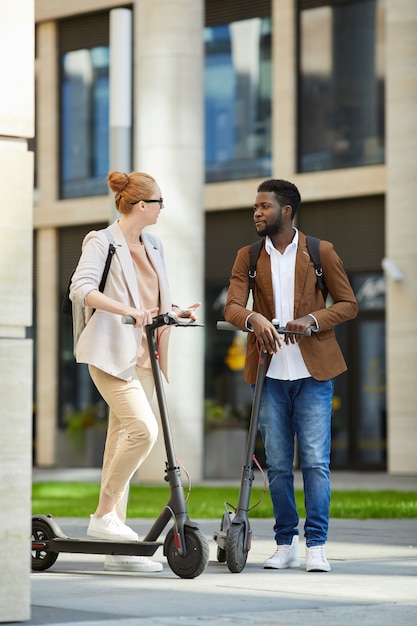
(285, 331)
(223, 325)
(128, 319)
(165, 319)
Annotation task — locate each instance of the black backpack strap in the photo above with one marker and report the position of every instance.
(255, 251)
(67, 303)
(313, 245)
(110, 253)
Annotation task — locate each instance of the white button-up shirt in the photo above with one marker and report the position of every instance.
(288, 362)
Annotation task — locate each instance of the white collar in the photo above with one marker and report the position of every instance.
(269, 246)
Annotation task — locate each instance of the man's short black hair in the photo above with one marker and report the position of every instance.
(285, 192)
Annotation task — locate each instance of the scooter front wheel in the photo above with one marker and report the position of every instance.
(195, 561)
(236, 555)
(41, 558)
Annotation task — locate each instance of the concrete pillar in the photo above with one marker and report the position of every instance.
(16, 187)
(168, 144)
(401, 233)
(46, 337)
(47, 124)
(46, 263)
(284, 86)
(120, 94)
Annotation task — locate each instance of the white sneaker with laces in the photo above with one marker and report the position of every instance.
(316, 560)
(119, 563)
(110, 527)
(285, 556)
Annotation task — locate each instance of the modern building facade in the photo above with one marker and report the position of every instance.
(212, 98)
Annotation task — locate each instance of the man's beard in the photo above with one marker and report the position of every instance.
(269, 230)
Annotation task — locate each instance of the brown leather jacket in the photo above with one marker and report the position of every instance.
(321, 352)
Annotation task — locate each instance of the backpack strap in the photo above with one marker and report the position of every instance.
(110, 253)
(313, 245)
(255, 251)
(66, 306)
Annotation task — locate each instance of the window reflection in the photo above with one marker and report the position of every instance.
(372, 393)
(84, 122)
(238, 100)
(341, 103)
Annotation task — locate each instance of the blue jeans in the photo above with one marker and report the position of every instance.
(303, 408)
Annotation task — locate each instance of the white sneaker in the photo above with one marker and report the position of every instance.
(316, 559)
(285, 556)
(110, 527)
(127, 563)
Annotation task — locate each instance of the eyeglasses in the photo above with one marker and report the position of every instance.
(160, 201)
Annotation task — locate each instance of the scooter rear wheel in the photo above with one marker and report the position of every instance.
(236, 555)
(195, 561)
(41, 559)
(221, 555)
(224, 528)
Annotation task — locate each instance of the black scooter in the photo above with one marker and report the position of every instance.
(235, 535)
(185, 546)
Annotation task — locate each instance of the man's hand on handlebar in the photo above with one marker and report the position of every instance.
(300, 326)
(268, 336)
(265, 332)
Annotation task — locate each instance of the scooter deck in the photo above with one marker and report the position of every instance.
(96, 546)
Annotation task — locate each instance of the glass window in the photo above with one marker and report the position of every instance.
(372, 394)
(84, 122)
(238, 100)
(369, 374)
(76, 390)
(341, 85)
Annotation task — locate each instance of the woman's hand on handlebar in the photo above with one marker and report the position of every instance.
(142, 316)
(189, 312)
(265, 332)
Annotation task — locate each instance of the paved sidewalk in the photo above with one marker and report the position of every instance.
(373, 581)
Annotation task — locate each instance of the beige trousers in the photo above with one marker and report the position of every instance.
(131, 432)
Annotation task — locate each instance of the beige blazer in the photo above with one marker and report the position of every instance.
(321, 352)
(105, 342)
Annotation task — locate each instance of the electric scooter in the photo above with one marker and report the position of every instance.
(185, 545)
(235, 535)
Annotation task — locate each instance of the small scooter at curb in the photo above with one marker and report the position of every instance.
(235, 535)
(185, 545)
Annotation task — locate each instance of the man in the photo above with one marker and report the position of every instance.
(298, 388)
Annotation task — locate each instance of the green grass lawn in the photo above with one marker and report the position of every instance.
(62, 499)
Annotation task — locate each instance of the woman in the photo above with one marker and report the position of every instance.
(117, 354)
